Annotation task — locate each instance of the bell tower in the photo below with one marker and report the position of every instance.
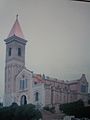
(15, 60)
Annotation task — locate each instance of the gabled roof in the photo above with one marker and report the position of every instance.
(16, 29)
(83, 78)
(23, 69)
(38, 78)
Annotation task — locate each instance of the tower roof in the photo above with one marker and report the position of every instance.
(16, 29)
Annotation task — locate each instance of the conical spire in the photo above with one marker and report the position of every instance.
(16, 29)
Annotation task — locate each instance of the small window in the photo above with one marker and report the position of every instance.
(35, 83)
(25, 84)
(21, 85)
(19, 51)
(83, 88)
(9, 53)
(36, 96)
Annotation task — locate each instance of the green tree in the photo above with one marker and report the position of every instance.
(1, 105)
(74, 108)
(15, 112)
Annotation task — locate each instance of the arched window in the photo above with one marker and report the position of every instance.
(83, 88)
(23, 100)
(9, 52)
(36, 96)
(19, 51)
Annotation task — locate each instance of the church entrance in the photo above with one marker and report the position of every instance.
(23, 100)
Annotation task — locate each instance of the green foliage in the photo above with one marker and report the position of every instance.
(76, 108)
(25, 112)
(88, 101)
(46, 108)
(14, 104)
(50, 109)
(1, 105)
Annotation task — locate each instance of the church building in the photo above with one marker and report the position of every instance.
(22, 86)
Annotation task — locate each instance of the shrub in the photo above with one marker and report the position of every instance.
(50, 109)
(25, 112)
(46, 108)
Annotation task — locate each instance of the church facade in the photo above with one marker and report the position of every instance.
(22, 86)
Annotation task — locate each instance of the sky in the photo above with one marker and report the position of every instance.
(58, 34)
